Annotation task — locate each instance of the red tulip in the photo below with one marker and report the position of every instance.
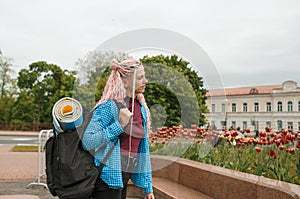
(292, 137)
(292, 150)
(281, 147)
(271, 152)
(247, 130)
(270, 142)
(234, 134)
(268, 129)
(258, 149)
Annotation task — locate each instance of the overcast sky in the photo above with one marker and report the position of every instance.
(254, 42)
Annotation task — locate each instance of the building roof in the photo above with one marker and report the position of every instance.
(243, 90)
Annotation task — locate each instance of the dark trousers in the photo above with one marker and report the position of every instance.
(102, 191)
(126, 177)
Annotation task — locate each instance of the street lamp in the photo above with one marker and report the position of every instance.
(226, 114)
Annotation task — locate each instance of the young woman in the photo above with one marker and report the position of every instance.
(125, 128)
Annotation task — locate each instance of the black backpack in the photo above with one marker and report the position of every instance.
(70, 170)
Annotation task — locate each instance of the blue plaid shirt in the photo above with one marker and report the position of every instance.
(102, 132)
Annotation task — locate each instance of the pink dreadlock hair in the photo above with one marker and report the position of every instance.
(114, 88)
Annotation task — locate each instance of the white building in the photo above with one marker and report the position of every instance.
(255, 107)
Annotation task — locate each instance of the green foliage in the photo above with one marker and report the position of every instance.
(25, 108)
(8, 88)
(40, 87)
(93, 74)
(5, 74)
(6, 104)
(174, 93)
(177, 89)
(26, 148)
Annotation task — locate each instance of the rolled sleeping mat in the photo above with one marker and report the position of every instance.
(67, 114)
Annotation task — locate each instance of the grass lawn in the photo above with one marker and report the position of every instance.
(25, 148)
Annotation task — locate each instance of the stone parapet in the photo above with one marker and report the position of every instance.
(220, 183)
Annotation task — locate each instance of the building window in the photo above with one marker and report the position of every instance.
(213, 108)
(268, 107)
(268, 124)
(233, 107)
(290, 106)
(253, 91)
(244, 125)
(233, 124)
(298, 126)
(223, 108)
(299, 106)
(279, 106)
(290, 125)
(245, 107)
(256, 107)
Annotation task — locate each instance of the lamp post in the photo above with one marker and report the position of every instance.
(226, 120)
(279, 124)
(254, 123)
(226, 113)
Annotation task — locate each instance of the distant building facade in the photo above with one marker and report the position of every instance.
(276, 106)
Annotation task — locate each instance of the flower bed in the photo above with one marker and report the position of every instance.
(270, 154)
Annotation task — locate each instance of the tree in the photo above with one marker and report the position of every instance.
(8, 88)
(24, 108)
(5, 70)
(40, 87)
(92, 76)
(177, 89)
(174, 94)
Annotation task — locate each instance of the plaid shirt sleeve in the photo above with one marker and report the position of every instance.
(104, 127)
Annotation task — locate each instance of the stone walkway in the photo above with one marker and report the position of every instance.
(18, 170)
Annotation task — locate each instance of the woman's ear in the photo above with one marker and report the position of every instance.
(125, 83)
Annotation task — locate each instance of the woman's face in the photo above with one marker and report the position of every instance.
(140, 82)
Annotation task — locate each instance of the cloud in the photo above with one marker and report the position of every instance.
(242, 37)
